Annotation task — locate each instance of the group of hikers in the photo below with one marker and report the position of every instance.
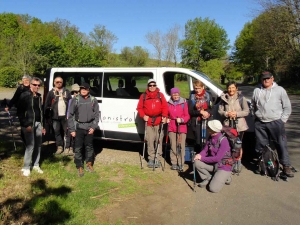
(74, 116)
(271, 106)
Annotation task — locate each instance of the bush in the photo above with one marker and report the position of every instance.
(9, 77)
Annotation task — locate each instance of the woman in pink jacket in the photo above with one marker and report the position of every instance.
(178, 118)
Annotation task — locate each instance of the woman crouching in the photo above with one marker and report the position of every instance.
(209, 162)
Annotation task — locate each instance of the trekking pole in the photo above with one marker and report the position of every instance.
(145, 140)
(194, 169)
(166, 146)
(179, 147)
(12, 133)
(157, 146)
(203, 133)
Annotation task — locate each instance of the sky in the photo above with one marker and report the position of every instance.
(131, 20)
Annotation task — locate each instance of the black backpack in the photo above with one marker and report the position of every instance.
(269, 163)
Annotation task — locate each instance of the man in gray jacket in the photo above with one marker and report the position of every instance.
(272, 109)
(83, 120)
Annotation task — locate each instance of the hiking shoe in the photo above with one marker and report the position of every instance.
(38, 169)
(228, 181)
(59, 150)
(287, 171)
(203, 183)
(180, 168)
(66, 152)
(150, 163)
(80, 172)
(174, 167)
(90, 168)
(157, 164)
(26, 172)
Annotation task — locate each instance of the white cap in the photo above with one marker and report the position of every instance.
(215, 125)
(151, 81)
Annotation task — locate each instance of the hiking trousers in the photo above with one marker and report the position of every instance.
(153, 143)
(57, 125)
(33, 142)
(83, 138)
(174, 154)
(273, 131)
(219, 178)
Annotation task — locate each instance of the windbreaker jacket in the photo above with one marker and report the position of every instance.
(271, 104)
(83, 113)
(180, 110)
(25, 106)
(233, 104)
(20, 89)
(52, 101)
(152, 106)
(212, 155)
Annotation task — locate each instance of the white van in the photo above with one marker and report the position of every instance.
(117, 91)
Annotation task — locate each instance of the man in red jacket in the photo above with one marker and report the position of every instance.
(153, 108)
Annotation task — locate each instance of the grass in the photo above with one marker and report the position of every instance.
(59, 196)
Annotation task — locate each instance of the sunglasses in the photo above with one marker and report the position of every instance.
(152, 85)
(74, 92)
(267, 78)
(36, 85)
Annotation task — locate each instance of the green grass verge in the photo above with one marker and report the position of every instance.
(59, 196)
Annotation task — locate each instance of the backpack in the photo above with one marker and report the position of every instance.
(230, 158)
(76, 105)
(269, 163)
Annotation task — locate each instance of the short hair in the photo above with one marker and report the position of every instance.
(26, 77)
(198, 83)
(231, 83)
(59, 78)
(36, 79)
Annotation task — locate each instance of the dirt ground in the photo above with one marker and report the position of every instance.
(250, 199)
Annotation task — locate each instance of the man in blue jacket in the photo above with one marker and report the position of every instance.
(272, 109)
(82, 122)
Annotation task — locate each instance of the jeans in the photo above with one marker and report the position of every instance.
(33, 145)
(57, 124)
(83, 138)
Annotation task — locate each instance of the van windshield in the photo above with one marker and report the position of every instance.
(207, 78)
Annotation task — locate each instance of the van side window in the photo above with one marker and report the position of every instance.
(179, 80)
(94, 79)
(125, 85)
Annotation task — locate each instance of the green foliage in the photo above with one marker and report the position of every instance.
(9, 76)
(136, 56)
(213, 68)
(204, 40)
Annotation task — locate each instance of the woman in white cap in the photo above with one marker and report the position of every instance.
(209, 162)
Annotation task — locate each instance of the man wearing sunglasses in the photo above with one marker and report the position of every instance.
(272, 109)
(31, 120)
(56, 106)
(153, 108)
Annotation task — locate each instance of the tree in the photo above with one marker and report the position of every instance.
(136, 57)
(204, 40)
(171, 40)
(156, 39)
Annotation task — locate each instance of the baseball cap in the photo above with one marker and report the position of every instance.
(266, 74)
(151, 81)
(75, 87)
(85, 86)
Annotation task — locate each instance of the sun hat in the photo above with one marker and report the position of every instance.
(174, 90)
(215, 125)
(75, 87)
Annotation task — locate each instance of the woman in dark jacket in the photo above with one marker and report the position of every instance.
(199, 110)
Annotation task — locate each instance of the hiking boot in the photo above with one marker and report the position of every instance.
(157, 164)
(228, 181)
(80, 172)
(66, 152)
(71, 152)
(26, 172)
(38, 169)
(59, 150)
(90, 168)
(287, 171)
(174, 167)
(150, 163)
